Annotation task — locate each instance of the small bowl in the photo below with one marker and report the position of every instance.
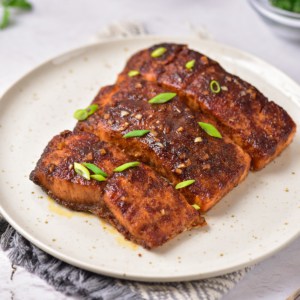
(284, 23)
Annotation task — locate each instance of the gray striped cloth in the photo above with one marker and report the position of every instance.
(86, 285)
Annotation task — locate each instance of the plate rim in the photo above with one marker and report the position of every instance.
(116, 274)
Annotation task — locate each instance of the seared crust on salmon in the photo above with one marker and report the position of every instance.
(261, 127)
(55, 172)
(176, 146)
(150, 209)
(144, 207)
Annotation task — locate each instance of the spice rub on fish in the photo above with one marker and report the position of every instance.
(189, 131)
(261, 127)
(175, 145)
(144, 207)
(55, 172)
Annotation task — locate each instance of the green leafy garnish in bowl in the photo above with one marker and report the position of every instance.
(290, 5)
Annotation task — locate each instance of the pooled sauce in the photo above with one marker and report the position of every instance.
(118, 237)
(57, 209)
(63, 211)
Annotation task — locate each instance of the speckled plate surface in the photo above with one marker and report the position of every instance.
(255, 220)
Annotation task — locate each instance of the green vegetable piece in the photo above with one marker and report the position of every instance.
(82, 171)
(5, 18)
(184, 184)
(7, 4)
(83, 114)
(126, 166)
(283, 4)
(133, 73)
(158, 52)
(22, 4)
(91, 109)
(135, 133)
(210, 129)
(215, 86)
(162, 98)
(80, 114)
(190, 64)
(196, 206)
(98, 177)
(296, 7)
(94, 169)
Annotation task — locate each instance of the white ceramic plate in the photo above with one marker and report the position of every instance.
(256, 219)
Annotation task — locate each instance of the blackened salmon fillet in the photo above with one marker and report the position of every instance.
(143, 206)
(261, 127)
(176, 146)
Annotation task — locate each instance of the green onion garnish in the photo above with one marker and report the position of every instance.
(82, 170)
(183, 184)
(158, 52)
(196, 206)
(80, 114)
(135, 133)
(190, 64)
(94, 169)
(91, 109)
(133, 73)
(210, 129)
(215, 86)
(83, 114)
(126, 166)
(98, 177)
(162, 98)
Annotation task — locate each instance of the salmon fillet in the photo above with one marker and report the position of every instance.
(141, 202)
(261, 127)
(176, 146)
(144, 207)
(54, 171)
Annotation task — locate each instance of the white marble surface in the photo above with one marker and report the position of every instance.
(57, 26)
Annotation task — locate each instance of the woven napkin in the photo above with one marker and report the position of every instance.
(86, 285)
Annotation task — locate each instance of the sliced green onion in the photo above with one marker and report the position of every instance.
(162, 98)
(98, 177)
(80, 114)
(82, 170)
(184, 184)
(210, 129)
(91, 109)
(190, 64)
(215, 86)
(133, 73)
(158, 52)
(83, 114)
(94, 169)
(126, 166)
(135, 133)
(196, 206)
